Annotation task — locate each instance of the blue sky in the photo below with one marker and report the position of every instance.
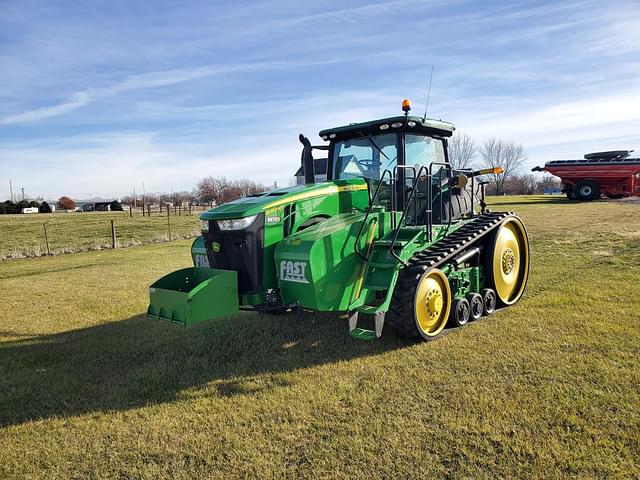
(99, 97)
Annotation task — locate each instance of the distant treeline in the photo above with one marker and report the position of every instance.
(63, 203)
(9, 207)
(208, 191)
(510, 156)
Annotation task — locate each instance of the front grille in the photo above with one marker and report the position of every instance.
(240, 250)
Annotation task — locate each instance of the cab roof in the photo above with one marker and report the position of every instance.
(428, 126)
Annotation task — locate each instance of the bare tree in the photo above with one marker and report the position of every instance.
(248, 187)
(462, 151)
(497, 153)
(548, 181)
(220, 190)
(520, 185)
(210, 189)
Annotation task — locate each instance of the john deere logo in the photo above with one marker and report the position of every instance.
(215, 246)
(293, 271)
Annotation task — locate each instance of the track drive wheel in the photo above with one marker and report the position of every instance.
(507, 266)
(420, 304)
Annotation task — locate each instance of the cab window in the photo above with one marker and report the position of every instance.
(365, 157)
(422, 150)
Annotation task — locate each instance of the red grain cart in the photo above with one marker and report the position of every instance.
(614, 174)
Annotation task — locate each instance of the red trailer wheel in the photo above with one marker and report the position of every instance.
(587, 190)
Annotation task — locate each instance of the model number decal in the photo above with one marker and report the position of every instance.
(293, 271)
(201, 261)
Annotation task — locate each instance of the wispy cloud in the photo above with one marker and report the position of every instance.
(76, 100)
(132, 82)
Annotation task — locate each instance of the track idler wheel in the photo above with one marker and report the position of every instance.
(476, 306)
(420, 305)
(432, 303)
(460, 312)
(489, 301)
(507, 266)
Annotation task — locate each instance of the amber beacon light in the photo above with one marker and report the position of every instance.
(406, 105)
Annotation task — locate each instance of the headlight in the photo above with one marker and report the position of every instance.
(236, 223)
(204, 225)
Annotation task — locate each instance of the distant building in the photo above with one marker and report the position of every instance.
(320, 171)
(95, 204)
(30, 210)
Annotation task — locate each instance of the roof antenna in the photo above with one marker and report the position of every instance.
(428, 95)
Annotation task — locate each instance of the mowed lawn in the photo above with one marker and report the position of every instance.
(549, 388)
(24, 235)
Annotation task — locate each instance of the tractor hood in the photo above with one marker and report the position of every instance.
(258, 203)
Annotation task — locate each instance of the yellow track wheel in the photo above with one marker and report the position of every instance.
(508, 265)
(432, 303)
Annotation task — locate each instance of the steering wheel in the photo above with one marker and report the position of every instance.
(365, 163)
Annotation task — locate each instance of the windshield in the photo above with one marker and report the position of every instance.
(365, 157)
(421, 150)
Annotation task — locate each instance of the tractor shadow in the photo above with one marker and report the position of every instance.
(136, 362)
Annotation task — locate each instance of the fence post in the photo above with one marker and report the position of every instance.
(148, 210)
(46, 238)
(130, 212)
(114, 244)
(168, 223)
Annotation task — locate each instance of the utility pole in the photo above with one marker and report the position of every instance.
(135, 200)
(22, 193)
(11, 190)
(144, 199)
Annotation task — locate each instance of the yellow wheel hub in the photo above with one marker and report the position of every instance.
(510, 261)
(432, 303)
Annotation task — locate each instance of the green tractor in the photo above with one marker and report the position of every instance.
(395, 235)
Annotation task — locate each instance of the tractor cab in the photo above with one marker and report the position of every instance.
(404, 159)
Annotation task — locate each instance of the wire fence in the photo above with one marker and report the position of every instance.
(175, 210)
(53, 234)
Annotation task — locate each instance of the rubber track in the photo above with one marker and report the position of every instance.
(400, 315)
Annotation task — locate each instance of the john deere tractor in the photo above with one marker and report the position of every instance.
(396, 238)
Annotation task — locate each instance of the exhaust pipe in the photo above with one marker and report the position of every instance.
(306, 160)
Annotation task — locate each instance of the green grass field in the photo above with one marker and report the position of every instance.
(23, 235)
(550, 388)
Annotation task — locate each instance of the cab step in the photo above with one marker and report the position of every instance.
(363, 333)
(383, 264)
(378, 287)
(368, 309)
(387, 243)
